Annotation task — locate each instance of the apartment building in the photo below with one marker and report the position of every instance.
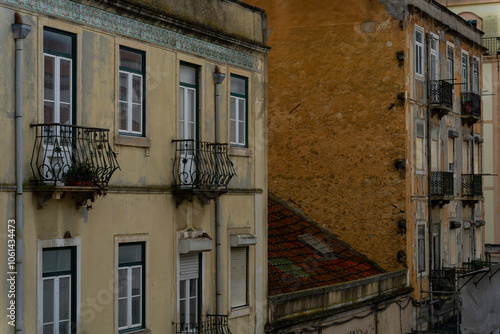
(375, 131)
(133, 177)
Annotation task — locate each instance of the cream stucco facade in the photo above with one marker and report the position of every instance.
(143, 206)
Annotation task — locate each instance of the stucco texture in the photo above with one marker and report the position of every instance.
(335, 123)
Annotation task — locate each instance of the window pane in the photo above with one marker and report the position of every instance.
(64, 113)
(65, 80)
(136, 117)
(241, 133)
(130, 253)
(188, 75)
(123, 86)
(241, 109)
(418, 35)
(193, 287)
(48, 78)
(238, 85)
(48, 112)
(123, 117)
(48, 329)
(64, 327)
(136, 281)
(193, 311)
(56, 260)
(131, 60)
(190, 109)
(48, 300)
(57, 43)
(233, 108)
(233, 131)
(64, 298)
(181, 103)
(182, 289)
(136, 310)
(122, 283)
(122, 312)
(137, 89)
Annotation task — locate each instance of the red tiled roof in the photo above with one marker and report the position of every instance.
(293, 266)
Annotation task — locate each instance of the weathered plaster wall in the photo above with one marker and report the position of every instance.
(335, 123)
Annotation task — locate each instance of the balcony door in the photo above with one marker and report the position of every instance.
(189, 292)
(188, 120)
(58, 90)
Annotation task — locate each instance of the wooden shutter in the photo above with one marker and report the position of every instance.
(239, 276)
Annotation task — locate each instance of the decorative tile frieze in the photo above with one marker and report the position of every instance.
(125, 26)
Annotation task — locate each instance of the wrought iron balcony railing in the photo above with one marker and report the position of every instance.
(201, 165)
(492, 44)
(471, 105)
(441, 185)
(70, 155)
(472, 185)
(214, 324)
(441, 94)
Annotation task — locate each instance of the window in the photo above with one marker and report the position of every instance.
(419, 53)
(59, 290)
(421, 247)
(475, 76)
(465, 72)
(473, 23)
(189, 291)
(477, 157)
(239, 276)
(58, 77)
(436, 246)
(478, 242)
(451, 154)
(466, 157)
(239, 117)
(131, 96)
(131, 285)
(420, 147)
(188, 102)
(466, 244)
(434, 58)
(453, 246)
(435, 149)
(450, 63)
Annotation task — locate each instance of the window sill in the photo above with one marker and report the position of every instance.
(240, 152)
(138, 331)
(132, 141)
(240, 312)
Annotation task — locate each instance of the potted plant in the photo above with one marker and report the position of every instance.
(79, 174)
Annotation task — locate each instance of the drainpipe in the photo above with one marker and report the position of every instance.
(20, 31)
(429, 166)
(218, 79)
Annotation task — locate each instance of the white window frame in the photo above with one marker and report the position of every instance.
(129, 294)
(57, 89)
(184, 89)
(435, 74)
(453, 246)
(464, 71)
(435, 150)
(419, 52)
(124, 239)
(199, 290)
(240, 138)
(418, 250)
(451, 154)
(450, 64)
(129, 102)
(58, 243)
(420, 169)
(476, 75)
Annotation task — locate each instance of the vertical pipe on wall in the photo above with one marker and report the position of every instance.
(20, 31)
(218, 79)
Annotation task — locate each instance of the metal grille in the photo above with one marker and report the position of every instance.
(441, 184)
(471, 104)
(202, 165)
(72, 155)
(441, 93)
(472, 185)
(492, 44)
(214, 324)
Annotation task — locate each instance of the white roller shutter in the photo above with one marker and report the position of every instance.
(239, 276)
(189, 266)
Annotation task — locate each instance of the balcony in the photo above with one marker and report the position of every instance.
(214, 324)
(201, 169)
(471, 106)
(441, 96)
(493, 45)
(472, 186)
(72, 158)
(441, 186)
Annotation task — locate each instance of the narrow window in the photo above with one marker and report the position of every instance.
(477, 158)
(131, 96)
(479, 242)
(466, 245)
(239, 117)
(239, 276)
(451, 154)
(421, 247)
(59, 290)
(466, 157)
(434, 59)
(189, 292)
(188, 102)
(475, 77)
(131, 286)
(436, 245)
(420, 147)
(465, 72)
(435, 149)
(453, 246)
(419, 54)
(450, 63)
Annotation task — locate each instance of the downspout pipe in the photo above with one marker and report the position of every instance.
(218, 79)
(20, 31)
